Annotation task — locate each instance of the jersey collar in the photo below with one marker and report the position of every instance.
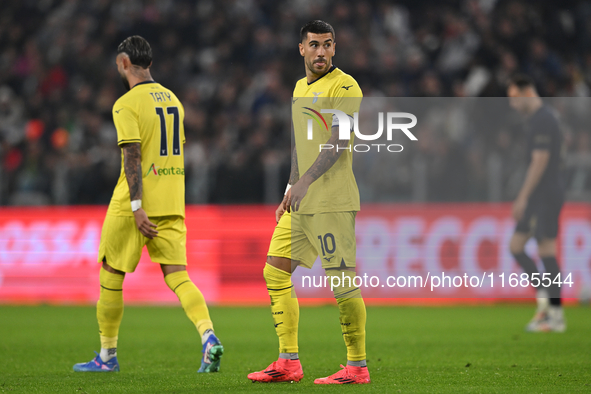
(143, 83)
(332, 68)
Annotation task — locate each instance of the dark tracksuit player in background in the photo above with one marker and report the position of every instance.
(537, 206)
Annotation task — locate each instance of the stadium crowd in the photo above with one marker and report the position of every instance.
(233, 64)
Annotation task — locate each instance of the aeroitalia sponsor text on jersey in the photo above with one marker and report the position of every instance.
(156, 170)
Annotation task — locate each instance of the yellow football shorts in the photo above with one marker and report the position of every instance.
(305, 237)
(122, 242)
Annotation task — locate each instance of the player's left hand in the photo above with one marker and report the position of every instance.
(146, 227)
(298, 192)
(519, 208)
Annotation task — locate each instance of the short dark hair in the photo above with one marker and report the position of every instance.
(522, 81)
(316, 27)
(138, 50)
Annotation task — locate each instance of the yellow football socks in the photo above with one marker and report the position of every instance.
(191, 299)
(109, 308)
(284, 307)
(352, 313)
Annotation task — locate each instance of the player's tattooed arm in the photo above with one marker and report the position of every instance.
(132, 163)
(327, 157)
(323, 163)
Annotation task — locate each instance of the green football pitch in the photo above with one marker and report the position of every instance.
(472, 349)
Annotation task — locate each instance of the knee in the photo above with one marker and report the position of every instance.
(279, 263)
(110, 269)
(342, 283)
(516, 246)
(547, 248)
(170, 269)
(516, 251)
(272, 261)
(175, 279)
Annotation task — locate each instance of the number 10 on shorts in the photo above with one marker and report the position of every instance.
(327, 243)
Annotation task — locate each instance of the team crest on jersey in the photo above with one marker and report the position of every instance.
(316, 96)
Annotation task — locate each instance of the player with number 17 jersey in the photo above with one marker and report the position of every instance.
(147, 210)
(162, 136)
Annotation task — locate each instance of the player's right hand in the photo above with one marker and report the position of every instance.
(283, 206)
(146, 227)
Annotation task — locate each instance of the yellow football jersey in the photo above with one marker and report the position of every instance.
(336, 190)
(153, 116)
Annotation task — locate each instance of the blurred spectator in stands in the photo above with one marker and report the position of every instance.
(234, 65)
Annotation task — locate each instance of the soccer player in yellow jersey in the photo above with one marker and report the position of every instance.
(147, 207)
(317, 214)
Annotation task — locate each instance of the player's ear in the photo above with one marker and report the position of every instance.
(301, 46)
(125, 61)
(122, 60)
(334, 48)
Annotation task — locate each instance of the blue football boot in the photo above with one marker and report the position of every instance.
(212, 354)
(98, 365)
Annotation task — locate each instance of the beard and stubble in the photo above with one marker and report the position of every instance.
(125, 81)
(319, 66)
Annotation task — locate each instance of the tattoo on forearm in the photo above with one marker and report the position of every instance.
(132, 163)
(328, 157)
(294, 175)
